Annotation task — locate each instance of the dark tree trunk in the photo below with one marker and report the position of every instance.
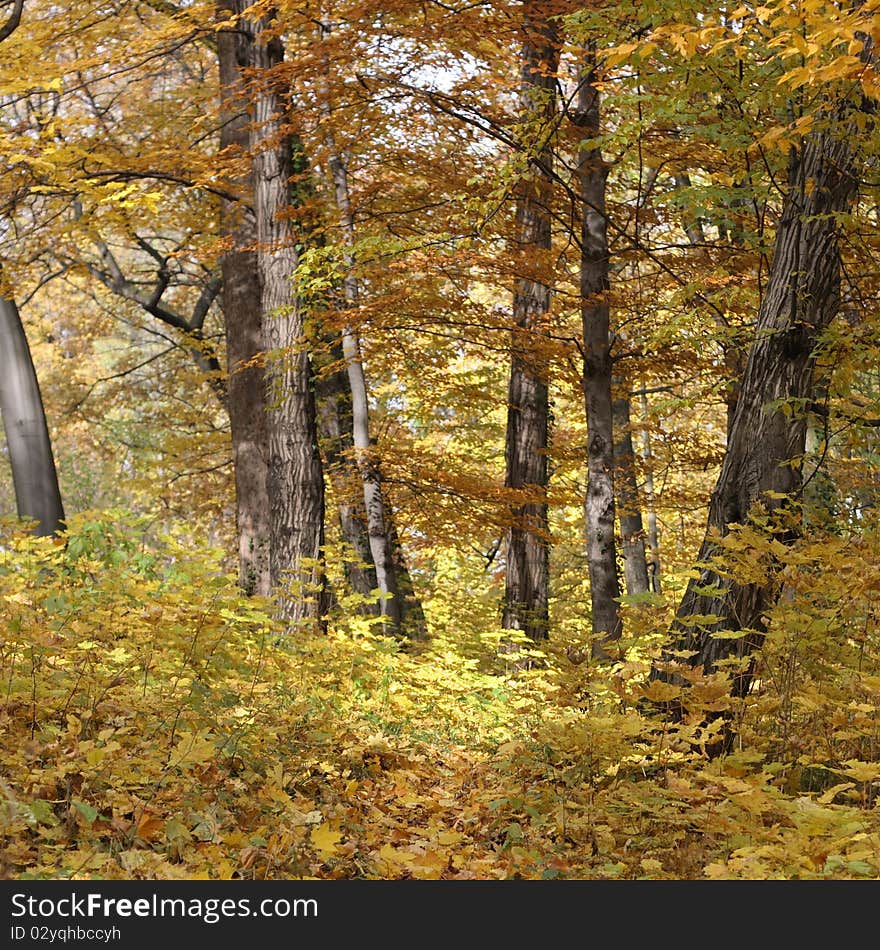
(414, 626)
(629, 513)
(653, 536)
(34, 477)
(527, 580)
(242, 320)
(599, 509)
(295, 478)
(762, 465)
(13, 19)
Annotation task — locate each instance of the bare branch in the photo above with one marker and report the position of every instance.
(11, 25)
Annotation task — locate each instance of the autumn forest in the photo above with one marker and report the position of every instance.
(441, 440)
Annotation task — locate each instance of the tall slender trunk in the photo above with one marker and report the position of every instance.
(246, 400)
(527, 581)
(37, 496)
(762, 465)
(653, 536)
(394, 604)
(334, 416)
(629, 513)
(599, 508)
(337, 443)
(295, 478)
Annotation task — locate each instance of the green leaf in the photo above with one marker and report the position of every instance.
(88, 812)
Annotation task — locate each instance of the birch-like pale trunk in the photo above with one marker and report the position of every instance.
(599, 507)
(242, 318)
(390, 607)
(394, 604)
(337, 444)
(295, 477)
(337, 441)
(34, 477)
(527, 579)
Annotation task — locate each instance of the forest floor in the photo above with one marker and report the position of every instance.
(154, 727)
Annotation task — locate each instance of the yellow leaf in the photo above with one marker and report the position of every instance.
(193, 749)
(828, 797)
(449, 837)
(862, 771)
(660, 692)
(326, 839)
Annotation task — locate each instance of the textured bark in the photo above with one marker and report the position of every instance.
(34, 477)
(243, 325)
(527, 580)
(295, 478)
(762, 465)
(632, 530)
(599, 508)
(820, 496)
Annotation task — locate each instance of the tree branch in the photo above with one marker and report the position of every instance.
(11, 25)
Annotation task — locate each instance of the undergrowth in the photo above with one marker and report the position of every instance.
(153, 727)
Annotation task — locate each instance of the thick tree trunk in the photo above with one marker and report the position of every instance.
(599, 509)
(295, 478)
(527, 580)
(244, 338)
(762, 465)
(34, 477)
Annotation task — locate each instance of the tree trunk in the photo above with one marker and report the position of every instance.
(335, 434)
(337, 442)
(527, 580)
(244, 339)
(599, 509)
(34, 477)
(394, 605)
(653, 528)
(295, 478)
(632, 530)
(762, 465)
